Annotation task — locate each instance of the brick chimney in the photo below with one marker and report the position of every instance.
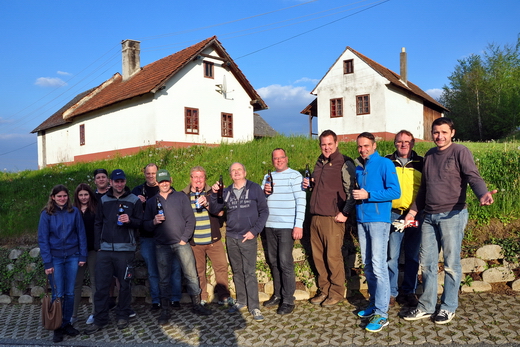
(404, 66)
(131, 59)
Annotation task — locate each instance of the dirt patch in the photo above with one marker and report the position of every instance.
(502, 288)
(475, 236)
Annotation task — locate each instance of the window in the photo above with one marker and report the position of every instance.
(348, 66)
(208, 69)
(363, 104)
(336, 108)
(227, 124)
(191, 120)
(82, 134)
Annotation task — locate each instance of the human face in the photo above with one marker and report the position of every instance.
(164, 186)
(118, 186)
(328, 146)
(83, 197)
(237, 172)
(101, 181)
(404, 145)
(365, 147)
(442, 135)
(197, 180)
(280, 160)
(150, 174)
(60, 198)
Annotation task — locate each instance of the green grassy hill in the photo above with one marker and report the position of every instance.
(23, 194)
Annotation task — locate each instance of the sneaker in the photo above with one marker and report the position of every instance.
(156, 306)
(58, 335)
(257, 315)
(203, 302)
(368, 311)
(132, 314)
(237, 307)
(417, 314)
(176, 305)
(122, 324)
(377, 323)
(92, 329)
(69, 330)
(227, 301)
(90, 319)
(285, 309)
(73, 320)
(444, 317)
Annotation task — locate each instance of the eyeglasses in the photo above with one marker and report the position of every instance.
(279, 158)
(403, 143)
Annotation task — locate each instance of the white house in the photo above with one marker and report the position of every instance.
(195, 96)
(357, 94)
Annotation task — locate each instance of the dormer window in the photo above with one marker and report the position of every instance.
(208, 69)
(348, 66)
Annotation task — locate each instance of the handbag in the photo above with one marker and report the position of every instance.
(52, 313)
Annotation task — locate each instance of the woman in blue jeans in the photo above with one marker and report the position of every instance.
(63, 247)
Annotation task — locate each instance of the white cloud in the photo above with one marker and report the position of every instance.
(307, 80)
(434, 93)
(63, 73)
(278, 93)
(50, 82)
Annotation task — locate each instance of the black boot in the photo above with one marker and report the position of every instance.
(198, 308)
(165, 316)
(58, 335)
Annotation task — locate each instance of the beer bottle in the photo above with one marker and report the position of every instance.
(270, 180)
(120, 211)
(307, 175)
(220, 192)
(160, 209)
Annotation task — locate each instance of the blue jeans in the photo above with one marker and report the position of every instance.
(279, 255)
(65, 270)
(148, 254)
(166, 255)
(373, 239)
(444, 230)
(242, 257)
(410, 241)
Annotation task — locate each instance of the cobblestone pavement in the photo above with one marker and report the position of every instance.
(481, 318)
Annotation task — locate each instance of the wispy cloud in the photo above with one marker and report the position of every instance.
(5, 121)
(63, 73)
(307, 80)
(279, 93)
(50, 82)
(434, 93)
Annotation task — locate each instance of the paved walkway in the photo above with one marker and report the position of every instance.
(481, 318)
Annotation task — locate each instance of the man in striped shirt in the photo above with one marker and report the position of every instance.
(286, 202)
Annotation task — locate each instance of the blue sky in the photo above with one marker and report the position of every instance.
(53, 51)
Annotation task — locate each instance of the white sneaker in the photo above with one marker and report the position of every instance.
(90, 319)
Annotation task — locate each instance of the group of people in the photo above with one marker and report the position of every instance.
(178, 230)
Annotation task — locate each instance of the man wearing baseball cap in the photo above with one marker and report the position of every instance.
(170, 217)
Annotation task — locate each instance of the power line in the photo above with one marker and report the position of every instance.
(14, 150)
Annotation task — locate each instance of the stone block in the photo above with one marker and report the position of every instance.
(357, 283)
(211, 292)
(35, 252)
(86, 291)
(263, 296)
(269, 288)
(262, 276)
(25, 299)
(15, 291)
(298, 254)
(141, 272)
(516, 285)
(489, 252)
(477, 287)
(301, 295)
(37, 291)
(498, 274)
(473, 265)
(15, 254)
(31, 267)
(5, 299)
(440, 277)
(140, 291)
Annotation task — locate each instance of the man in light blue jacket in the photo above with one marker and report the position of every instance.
(378, 185)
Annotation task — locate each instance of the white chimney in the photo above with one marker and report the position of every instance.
(131, 59)
(404, 67)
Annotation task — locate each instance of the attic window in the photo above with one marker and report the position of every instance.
(227, 124)
(362, 104)
(208, 69)
(336, 108)
(82, 134)
(348, 66)
(191, 121)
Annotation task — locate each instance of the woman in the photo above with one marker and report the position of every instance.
(63, 246)
(85, 201)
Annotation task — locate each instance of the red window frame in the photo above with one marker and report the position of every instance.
(336, 108)
(348, 66)
(226, 124)
(191, 121)
(209, 69)
(82, 134)
(362, 104)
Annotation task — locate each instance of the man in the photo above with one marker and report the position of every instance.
(119, 215)
(378, 185)
(206, 238)
(330, 206)
(145, 191)
(247, 213)
(101, 182)
(284, 225)
(448, 168)
(172, 228)
(409, 171)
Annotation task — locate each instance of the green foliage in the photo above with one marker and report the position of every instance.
(484, 94)
(510, 247)
(467, 281)
(25, 271)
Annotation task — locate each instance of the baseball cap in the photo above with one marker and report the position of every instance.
(163, 175)
(118, 174)
(98, 171)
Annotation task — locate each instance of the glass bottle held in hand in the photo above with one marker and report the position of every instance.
(220, 192)
(270, 180)
(120, 211)
(307, 175)
(160, 209)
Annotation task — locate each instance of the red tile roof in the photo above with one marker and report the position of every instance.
(148, 80)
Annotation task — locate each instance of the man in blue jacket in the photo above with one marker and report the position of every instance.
(247, 213)
(378, 185)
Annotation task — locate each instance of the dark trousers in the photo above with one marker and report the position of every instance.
(109, 264)
(279, 255)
